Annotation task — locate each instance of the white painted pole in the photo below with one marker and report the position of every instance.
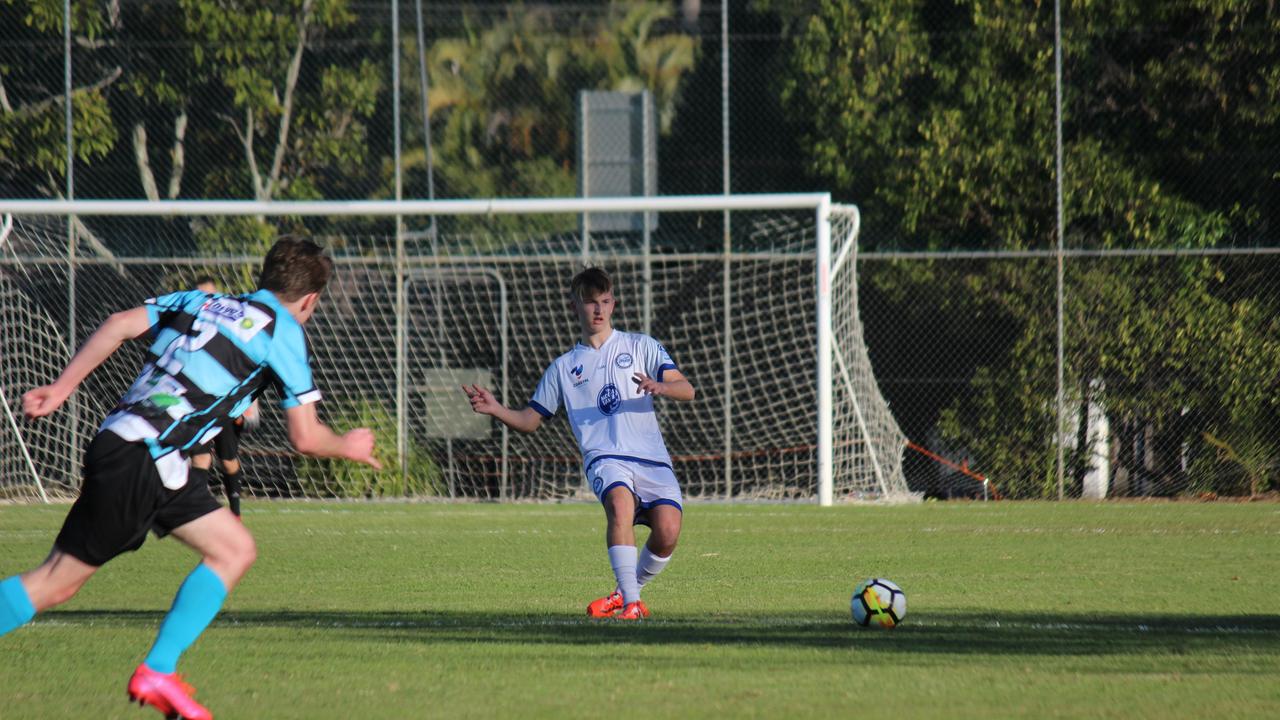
(826, 455)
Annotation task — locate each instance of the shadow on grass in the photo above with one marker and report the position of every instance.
(933, 632)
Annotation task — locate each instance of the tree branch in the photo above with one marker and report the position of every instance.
(286, 117)
(143, 163)
(39, 107)
(247, 138)
(178, 156)
(4, 99)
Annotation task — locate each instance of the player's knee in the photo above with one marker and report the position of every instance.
(51, 592)
(246, 553)
(234, 556)
(662, 541)
(662, 547)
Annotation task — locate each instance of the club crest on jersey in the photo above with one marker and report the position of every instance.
(578, 378)
(609, 400)
(597, 484)
(623, 361)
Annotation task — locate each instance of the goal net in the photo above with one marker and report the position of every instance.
(432, 295)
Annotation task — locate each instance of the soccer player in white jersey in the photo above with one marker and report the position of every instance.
(607, 383)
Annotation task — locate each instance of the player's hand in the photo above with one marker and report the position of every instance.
(252, 417)
(43, 400)
(647, 385)
(358, 446)
(482, 401)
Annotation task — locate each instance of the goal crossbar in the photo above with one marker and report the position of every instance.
(391, 208)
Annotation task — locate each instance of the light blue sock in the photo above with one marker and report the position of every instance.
(16, 609)
(197, 602)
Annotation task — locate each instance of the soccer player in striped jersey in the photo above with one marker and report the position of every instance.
(209, 355)
(607, 383)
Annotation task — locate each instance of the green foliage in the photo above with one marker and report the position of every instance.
(344, 479)
(938, 121)
(504, 95)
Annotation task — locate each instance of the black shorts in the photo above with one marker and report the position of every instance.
(122, 499)
(227, 443)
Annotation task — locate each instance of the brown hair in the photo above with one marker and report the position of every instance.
(590, 283)
(294, 268)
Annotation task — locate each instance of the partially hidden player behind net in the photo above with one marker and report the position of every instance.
(226, 446)
(208, 356)
(607, 383)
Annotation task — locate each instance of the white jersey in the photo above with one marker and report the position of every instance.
(609, 415)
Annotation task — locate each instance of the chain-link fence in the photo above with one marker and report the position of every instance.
(938, 119)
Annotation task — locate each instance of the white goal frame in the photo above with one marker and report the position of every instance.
(828, 358)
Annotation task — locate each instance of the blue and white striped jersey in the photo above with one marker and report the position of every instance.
(610, 417)
(211, 355)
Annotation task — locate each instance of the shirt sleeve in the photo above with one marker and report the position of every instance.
(546, 399)
(165, 305)
(290, 360)
(655, 359)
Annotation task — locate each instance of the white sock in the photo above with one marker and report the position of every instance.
(649, 565)
(623, 560)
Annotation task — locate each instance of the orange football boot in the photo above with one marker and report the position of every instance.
(634, 611)
(606, 606)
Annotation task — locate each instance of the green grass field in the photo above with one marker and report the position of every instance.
(394, 610)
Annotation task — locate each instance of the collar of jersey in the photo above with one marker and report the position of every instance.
(267, 297)
(613, 333)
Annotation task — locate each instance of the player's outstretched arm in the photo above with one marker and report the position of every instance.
(483, 402)
(674, 385)
(309, 436)
(110, 335)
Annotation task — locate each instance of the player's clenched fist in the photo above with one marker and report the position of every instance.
(358, 445)
(42, 401)
(482, 401)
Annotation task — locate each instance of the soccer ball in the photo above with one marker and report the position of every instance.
(878, 603)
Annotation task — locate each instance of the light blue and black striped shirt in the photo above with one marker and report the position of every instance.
(210, 356)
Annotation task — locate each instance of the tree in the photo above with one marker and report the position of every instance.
(938, 118)
(503, 94)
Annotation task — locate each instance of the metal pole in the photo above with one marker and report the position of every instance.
(648, 133)
(402, 424)
(1062, 398)
(726, 330)
(74, 405)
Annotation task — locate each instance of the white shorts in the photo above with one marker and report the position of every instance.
(651, 484)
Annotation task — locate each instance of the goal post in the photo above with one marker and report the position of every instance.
(430, 292)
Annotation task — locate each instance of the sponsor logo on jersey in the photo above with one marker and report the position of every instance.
(229, 309)
(609, 401)
(624, 361)
(578, 379)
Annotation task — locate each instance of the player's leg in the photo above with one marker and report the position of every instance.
(109, 517)
(612, 483)
(227, 444)
(620, 538)
(664, 521)
(227, 550)
(662, 503)
(54, 582)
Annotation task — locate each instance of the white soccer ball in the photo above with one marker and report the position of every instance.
(878, 603)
